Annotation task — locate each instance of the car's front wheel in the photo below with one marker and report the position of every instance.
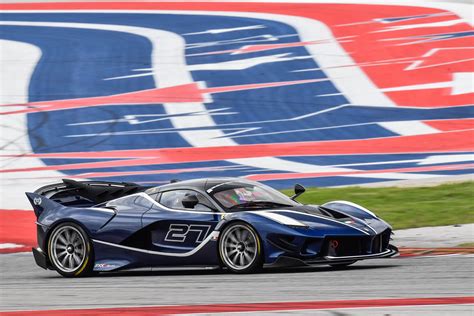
(70, 250)
(240, 249)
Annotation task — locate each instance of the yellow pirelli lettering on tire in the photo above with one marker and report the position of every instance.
(85, 261)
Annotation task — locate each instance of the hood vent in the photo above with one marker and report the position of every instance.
(326, 212)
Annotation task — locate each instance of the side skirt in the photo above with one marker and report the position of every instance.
(166, 269)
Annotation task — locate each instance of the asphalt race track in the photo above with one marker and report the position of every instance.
(27, 287)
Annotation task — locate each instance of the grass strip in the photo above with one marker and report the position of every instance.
(405, 207)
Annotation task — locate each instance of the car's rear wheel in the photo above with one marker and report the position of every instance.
(70, 250)
(240, 249)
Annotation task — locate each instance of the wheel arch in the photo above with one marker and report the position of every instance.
(262, 226)
(56, 224)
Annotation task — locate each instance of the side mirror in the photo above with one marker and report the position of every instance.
(190, 201)
(299, 189)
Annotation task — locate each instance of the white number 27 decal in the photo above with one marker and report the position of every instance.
(178, 232)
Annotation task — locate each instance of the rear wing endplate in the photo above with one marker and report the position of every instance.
(41, 203)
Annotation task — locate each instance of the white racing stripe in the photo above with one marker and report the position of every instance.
(212, 236)
(353, 205)
(282, 219)
(311, 215)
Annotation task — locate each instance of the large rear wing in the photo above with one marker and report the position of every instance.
(87, 193)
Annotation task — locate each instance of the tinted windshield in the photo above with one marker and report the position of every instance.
(238, 196)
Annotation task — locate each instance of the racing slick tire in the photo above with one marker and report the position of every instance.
(70, 250)
(240, 248)
(342, 265)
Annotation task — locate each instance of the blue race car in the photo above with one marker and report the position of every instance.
(86, 227)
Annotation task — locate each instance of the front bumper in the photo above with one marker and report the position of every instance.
(390, 252)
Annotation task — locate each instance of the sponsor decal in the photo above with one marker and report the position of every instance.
(105, 266)
(37, 201)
